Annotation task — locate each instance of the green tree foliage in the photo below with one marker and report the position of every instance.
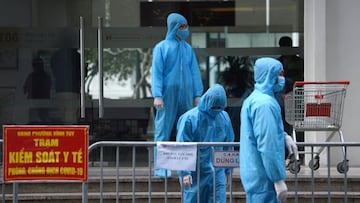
(120, 65)
(237, 79)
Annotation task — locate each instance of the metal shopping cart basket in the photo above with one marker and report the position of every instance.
(316, 106)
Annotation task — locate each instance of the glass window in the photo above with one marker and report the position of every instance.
(226, 51)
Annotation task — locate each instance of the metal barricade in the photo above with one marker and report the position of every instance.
(148, 173)
(105, 171)
(328, 173)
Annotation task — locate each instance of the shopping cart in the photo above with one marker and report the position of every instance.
(316, 106)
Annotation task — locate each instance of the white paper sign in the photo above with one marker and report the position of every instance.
(176, 155)
(226, 159)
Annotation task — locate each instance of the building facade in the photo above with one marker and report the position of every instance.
(97, 54)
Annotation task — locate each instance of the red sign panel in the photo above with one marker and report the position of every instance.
(33, 152)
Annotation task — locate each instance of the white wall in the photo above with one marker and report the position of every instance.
(331, 52)
(342, 28)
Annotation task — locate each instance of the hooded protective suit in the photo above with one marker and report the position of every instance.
(176, 78)
(203, 124)
(262, 136)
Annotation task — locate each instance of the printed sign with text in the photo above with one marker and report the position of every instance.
(34, 152)
(176, 155)
(226, 159)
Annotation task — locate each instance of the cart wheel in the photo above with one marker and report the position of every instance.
(343, 166)
(294, 167)
(314, 163)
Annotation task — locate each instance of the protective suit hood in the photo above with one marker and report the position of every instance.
(174, 21)
(215, 96)
(266, 71)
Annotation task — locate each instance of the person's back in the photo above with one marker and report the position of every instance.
(293, 66)
(38, 83)
(65, 64)
(38, 86)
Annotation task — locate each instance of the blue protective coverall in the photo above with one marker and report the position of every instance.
(175, 78)
(202, 124)
(262, 136)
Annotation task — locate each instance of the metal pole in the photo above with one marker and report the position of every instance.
(117, 173)
(101, 174)
(82, 94)
(198, 172)
(133, 174)
(15, 192)
(100, 64)
(82, 69)
(84, 192)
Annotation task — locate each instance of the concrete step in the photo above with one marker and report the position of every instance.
(72, 191)
(108, 185)
(158, 185)
(172, 197)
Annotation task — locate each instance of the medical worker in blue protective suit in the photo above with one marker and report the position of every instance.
(176, 79)
(208, 122)
(262, 137)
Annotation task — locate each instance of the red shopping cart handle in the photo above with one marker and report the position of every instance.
(301, 83)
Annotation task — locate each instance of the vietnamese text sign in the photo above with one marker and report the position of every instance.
(176, 155)
(226, 159)
(33, 152)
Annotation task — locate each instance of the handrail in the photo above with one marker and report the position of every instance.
(146, 144)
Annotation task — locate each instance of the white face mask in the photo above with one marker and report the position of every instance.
(279, 86)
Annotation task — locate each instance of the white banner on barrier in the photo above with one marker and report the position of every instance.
(226, 159)
(176, 155)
